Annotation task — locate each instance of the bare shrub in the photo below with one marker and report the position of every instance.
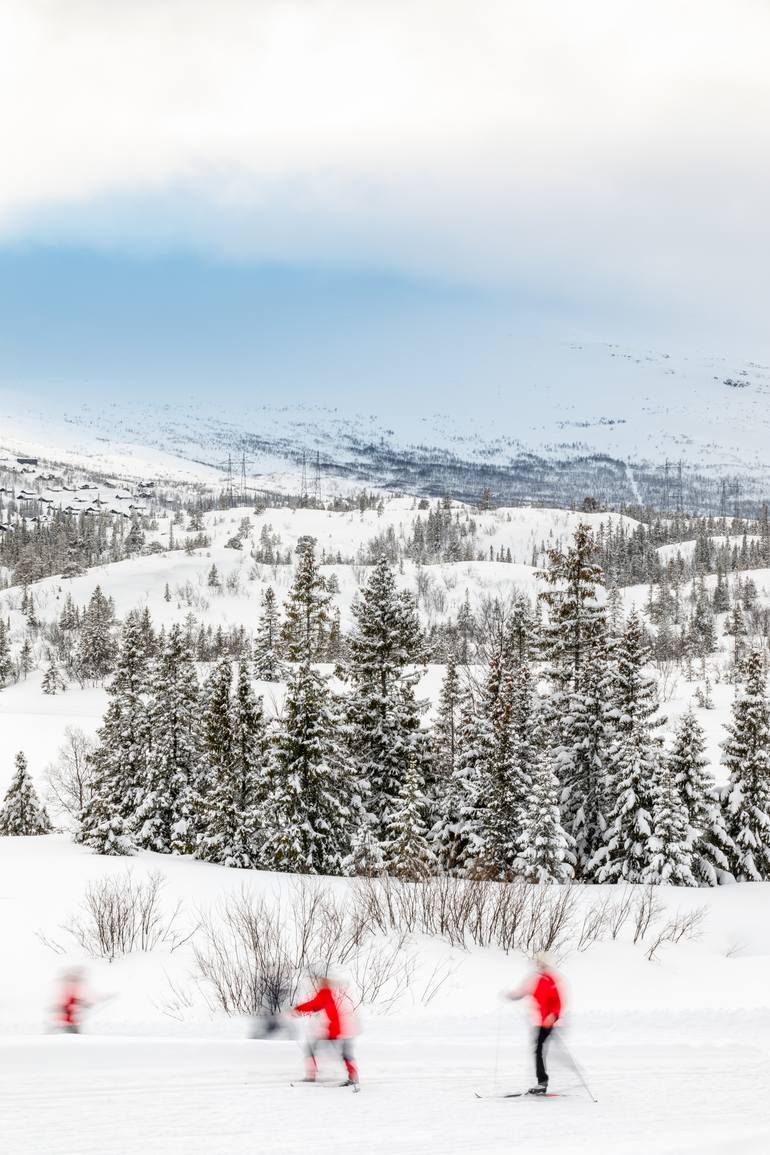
(682, 925)
(595, 925)
(119, 915)
(255, 950)
(619, 912)
(71, 776)
(647, 911)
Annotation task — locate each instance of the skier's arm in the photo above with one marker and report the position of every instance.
(310, 1007)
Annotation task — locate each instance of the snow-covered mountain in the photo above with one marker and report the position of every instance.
(620, 424)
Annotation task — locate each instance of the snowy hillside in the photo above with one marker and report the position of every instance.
(622, 424)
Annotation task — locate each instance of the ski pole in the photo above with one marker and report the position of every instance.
(576, 1068)
(497, 1045)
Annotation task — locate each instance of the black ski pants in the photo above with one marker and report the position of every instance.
(541, 1038)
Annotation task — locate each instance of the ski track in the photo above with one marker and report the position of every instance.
(687, 1082)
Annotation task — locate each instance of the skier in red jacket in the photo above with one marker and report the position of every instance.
(544, 990)
(70, 1002)
(338, 1027)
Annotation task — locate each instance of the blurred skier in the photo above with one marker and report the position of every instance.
(70, 1003)
(338, 1026)
(544, 991)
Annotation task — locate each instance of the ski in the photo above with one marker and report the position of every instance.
(520, 1095)
(329, 1084)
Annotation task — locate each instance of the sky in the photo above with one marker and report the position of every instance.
(375, 200)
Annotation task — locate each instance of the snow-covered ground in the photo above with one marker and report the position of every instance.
(677, 1050)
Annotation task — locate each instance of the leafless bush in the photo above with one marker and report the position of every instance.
(595, 925)
(620, 912)
(255, 950)
(684, 924)
(647, 911)
(71, 776)
(120, 915)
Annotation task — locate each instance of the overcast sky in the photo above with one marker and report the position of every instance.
(363, 195)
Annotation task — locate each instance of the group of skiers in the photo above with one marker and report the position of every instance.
(337, 1025)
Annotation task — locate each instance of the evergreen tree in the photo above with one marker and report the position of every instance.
(120, 759)
(446, 728)
(267, 664)
(579, 665)
(308, 816)
(544, 845)
(53, 681)
(26, 660)
(406, 851)
(456, 837)
(6, 665)
(383, 717)
(235, 751)
(95, 652)
(637, 766)
(169, 811)
(670, 845)
(305, 628)
(707, 836)
(22, 813)
(746, 798)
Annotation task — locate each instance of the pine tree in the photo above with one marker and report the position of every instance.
(670, 845)
(120, 759)
(169, 811)
(456, 837)
(695, 783)
(22, 813)
(26, 660)
(6, 665)
(267, 664)
(308, 817)
(95, 652)
(53, 681)
(446, 727)
(383, 717)
(406, 851)
(746, 798)
(235, 753)
(305, 627)
(637, 766)
(544, 845)
(579, 664)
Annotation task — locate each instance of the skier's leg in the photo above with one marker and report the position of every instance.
(541, 1039)
(311, 1064)
(348, 1060)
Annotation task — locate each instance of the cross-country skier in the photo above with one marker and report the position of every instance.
(332, 1003)
(70, 1002)
(544, 990)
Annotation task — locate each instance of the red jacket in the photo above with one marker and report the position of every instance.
(69, 1007)
(546, 995)
(334, 1005)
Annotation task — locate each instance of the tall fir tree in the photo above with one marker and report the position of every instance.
(168, 813)
(406, 852)
(96, 649)
(22, 812)
(578, 656)
(305, 628)
(544, 845)
(383, 716)
(6, 663)
(267, 662)
(746, 797)
(120, 759)
(308, 818)
(707, 835)
(636, 758)
(671, 847)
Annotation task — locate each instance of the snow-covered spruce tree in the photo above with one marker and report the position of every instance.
(406, 851)
(120, 760)
(308, 817)
(383, 717)
(267, 663)
(447, 725)
(235, 755)
(22, 813)
(671, 848)
(456, 835)
(306, 621)
(578, 656)
(636, 757)
(53, 682)
(6, 663)
(169, 810)
(544, 845)
(96, 649)
(746, 797)
(695, 783)
(506, 771)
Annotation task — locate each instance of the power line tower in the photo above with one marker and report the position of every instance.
(243, 476)
(303, 484)
(317, 478)
(230, 479)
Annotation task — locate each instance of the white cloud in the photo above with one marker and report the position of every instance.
(617, 145)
